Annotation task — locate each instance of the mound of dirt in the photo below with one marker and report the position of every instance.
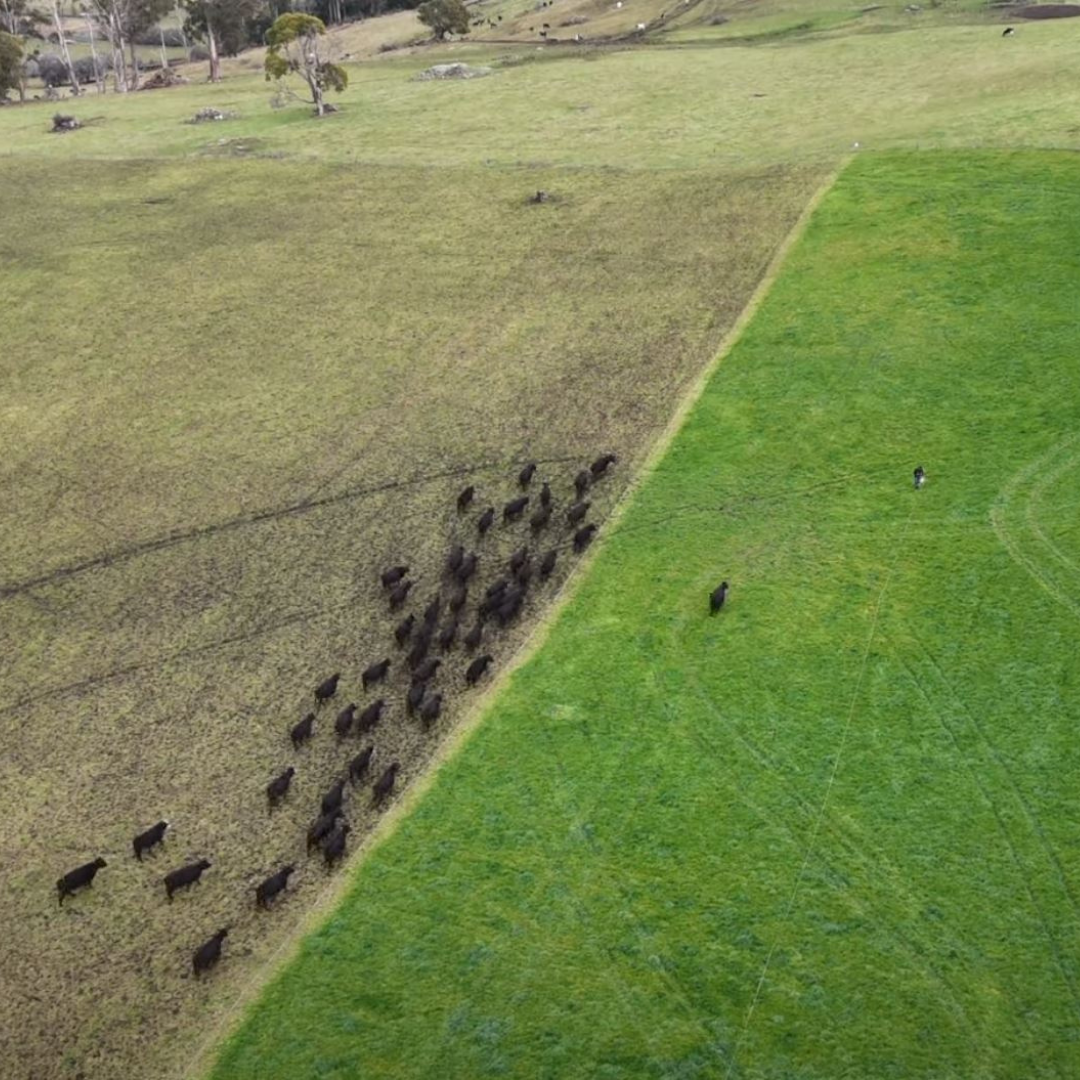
(452, 71)
(1050, 11)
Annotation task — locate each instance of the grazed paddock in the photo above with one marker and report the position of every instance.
(831, 830)
(226, 408)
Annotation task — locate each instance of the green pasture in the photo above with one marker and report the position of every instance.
(831, 832)
(957, 86)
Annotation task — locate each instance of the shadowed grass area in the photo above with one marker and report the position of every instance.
(829, 833)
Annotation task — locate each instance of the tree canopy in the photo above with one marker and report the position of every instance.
(11, 61)
(444, 17)
(293, 46)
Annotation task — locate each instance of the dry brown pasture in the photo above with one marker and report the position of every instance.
(233, 391)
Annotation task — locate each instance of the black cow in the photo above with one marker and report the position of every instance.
(583, 537)
(371, 716)
(453, 560)
(473, 638)
(448, 634)
(399, 595)
(486, 520)
(415, 697)
(419, 650)
(426, 670)
(547, 565)
(375, 673)
(331, 801)
(582, 482)
(344, 722)
(496, 588)
(278, 788)
(321, 827)
(601, 464)
(359, 764)
(526, 474)
(717, 597)
(577, 512)
(517, 560)
(523, 574)
(185, 876)
(385, 784)
(274, 884)
(208, 954)
(429, 711)
(393, 576)
(467, 568)
(403, 630)
(545, 494)
(465, 498)
(540, 519)
(431, 612)
(81, 877)
(458, 599)
(333, 849)
(477, 668)
(302, 732)
(326, 689)
(149, 839)
(515, 508)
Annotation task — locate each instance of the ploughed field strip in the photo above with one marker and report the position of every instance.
(209, 463)
(828, 829)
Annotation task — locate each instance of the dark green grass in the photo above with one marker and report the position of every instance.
(832, 832)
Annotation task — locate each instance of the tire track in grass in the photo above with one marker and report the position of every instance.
(1006, 835)
(815, 828)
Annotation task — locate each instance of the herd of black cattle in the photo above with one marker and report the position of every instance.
(501, 603)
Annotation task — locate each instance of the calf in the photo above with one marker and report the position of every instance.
(582, 482)
(403, 630)
(399, 595)
(540, 519)
(393, 576)
(453, 560)
(920, 477)
(359, 764)
(465, 499)
(467, 568)
(321, 827)
(375, 673)
(526, 474)
(208, 954)
(477, 668)
(331, 801)
(185, 876)
(515, 508)
(601, 464)
(717, 597)
(415, 697)
(545, 494)
(426, 671)
(274, 884)
(149, 839)
(371, 716)
(326, 689)
(302, 732)
(385, 784)
(547, 565)
(429, 711)
(486, 520)
(344, 722)
(278, 788)
(473, 638)
(82, 877)
(583, 537)
(333, 849)
(577, 512)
